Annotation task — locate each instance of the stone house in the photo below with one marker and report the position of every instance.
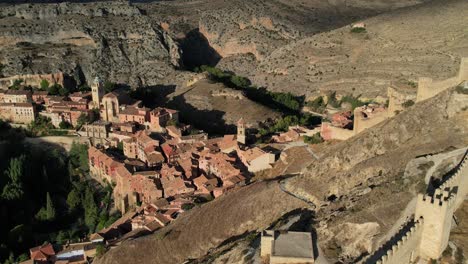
(38, 97)
(16, 96)
(139, 115)
(22, 113)
(160, 116)
(256, 159)
(287, 247)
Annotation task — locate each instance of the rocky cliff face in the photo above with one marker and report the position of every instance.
(113, 40)
(365, 179)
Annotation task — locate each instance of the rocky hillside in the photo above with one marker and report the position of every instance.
(362, 188)
(144, 42)
(366, 182)
(196, 232)
(425, 40)
(245, 33)
(113, 40)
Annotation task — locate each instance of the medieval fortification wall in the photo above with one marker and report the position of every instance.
(429, 235)
(427, 87)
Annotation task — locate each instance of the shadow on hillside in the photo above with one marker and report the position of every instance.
(211, 121)
(153, 96)
(196, 50)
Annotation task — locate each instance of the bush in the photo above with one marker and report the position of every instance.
(187, 207)
(315, 139)
(318, 104)
(408, 103)
(16, 84)
(65, 125)
(44, 85)
(461, 89)
(358, 30)
(353, 100)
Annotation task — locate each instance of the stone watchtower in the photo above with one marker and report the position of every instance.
(97, 89)
(241, 136)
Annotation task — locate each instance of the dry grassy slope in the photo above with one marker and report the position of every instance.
(424, 40)
(365, 173)
(216, 108)
(259, 27)
(195, 232)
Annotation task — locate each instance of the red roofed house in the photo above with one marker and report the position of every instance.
(160, 116)
(134, 114)
(343, 119)
(102, 165)
(43, 254)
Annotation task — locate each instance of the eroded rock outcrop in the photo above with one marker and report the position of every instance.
(113, 40)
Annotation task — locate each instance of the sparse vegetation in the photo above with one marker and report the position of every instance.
(408, 103)
(461, 89)
(358, 30)
(16, 84)
(315, 139)
(44, 85)
(284, 102)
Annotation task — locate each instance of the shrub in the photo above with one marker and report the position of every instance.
(187, 207)
(408, 103)
(461, 89)
(354, 101)
(358, 30)
(315, 139)
(44, 85)
(65, 125)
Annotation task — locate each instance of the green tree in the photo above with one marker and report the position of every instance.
(65, 125)
(54, 89)
(73, 199)
(63, 91)
(16, 84)
(79, 156)
(100, 250)
(84, 88)
(50, 208)
(44, 85)
(91, 210)
(13, 190)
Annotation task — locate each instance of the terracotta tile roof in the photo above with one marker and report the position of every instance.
(42, 252)
(18, 92)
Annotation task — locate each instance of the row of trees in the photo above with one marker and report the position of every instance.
(46, 196)
(319, 104)
(283, 102)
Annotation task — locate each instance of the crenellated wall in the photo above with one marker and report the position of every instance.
(428, 238)
(405, 249)
(427, 87)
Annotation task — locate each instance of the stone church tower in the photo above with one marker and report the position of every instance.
(241, 136)
(97, 89)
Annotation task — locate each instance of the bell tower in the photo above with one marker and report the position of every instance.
(241, 136)
(97, 89)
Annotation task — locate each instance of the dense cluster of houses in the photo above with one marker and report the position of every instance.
(163, 167)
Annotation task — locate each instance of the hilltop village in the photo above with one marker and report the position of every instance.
(159, 168)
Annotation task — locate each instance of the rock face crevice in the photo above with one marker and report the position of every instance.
(113, 40)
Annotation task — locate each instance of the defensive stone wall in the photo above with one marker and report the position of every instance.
(428, 238)
(405, 249)
(458, 180)
(427, 87)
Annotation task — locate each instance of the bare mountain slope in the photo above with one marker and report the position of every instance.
(424, 40)
(244, 33)
(250, 208)
(113, 40)
(363, 180)
(357, 185)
